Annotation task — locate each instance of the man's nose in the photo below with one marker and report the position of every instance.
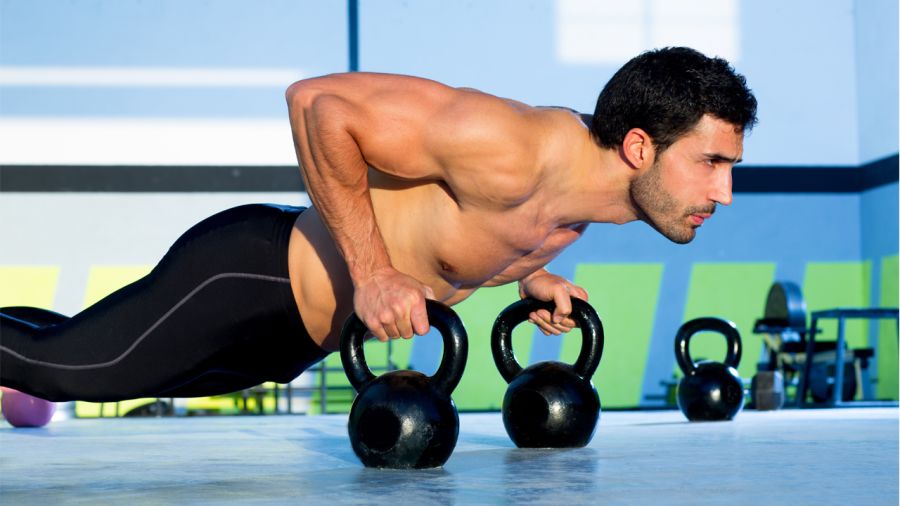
(721, 188)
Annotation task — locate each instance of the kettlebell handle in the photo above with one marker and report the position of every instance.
(583, 314)
(724, 327)
(441, 317)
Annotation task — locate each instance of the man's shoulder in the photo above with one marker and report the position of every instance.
(558, 126)
(513, 134)
(561, 116)
(562, 130)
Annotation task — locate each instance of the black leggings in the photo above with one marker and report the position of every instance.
(216, 315)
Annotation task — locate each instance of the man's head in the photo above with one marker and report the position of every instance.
(665, 92)
(678, 118)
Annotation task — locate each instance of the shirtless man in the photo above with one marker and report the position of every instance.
(420, 191)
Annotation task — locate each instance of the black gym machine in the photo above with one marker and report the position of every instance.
(819, 373)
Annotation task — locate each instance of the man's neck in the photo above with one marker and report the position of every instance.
(600, 185)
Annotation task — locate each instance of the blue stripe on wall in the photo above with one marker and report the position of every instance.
(143, 102)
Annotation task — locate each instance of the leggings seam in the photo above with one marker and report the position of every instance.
(146, 333)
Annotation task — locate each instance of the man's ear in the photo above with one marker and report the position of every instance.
(637, 149)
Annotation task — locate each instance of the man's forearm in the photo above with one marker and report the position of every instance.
(336, 177)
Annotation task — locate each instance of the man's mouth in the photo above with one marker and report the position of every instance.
(698, 218)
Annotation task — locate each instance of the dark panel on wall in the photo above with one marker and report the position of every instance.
(103, 178)
(78, 178)
(816, 179)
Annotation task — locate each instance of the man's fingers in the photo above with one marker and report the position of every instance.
(405, 328)
(568, 324)
(544, 327)
(542, 320)
(560, 293)
(378, 333)
(376, 328)
(577, 291)
(419, 317)
(559, 328)
(393, 304)
(392, 331)
(563, 305)
(541, 314)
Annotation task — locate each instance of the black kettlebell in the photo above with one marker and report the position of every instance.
(709, 390)
(549, 404)
(405, 419)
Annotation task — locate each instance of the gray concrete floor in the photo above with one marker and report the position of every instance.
(841, 456)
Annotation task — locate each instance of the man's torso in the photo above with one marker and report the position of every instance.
(453, 239)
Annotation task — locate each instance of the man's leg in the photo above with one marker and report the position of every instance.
(216, 315)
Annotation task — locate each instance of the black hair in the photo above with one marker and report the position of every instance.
(665, 92)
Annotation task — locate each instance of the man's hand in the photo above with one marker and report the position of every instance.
(392, 305)
(542, 285)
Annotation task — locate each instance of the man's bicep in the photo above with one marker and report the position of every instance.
(417, 129)
(384, 114)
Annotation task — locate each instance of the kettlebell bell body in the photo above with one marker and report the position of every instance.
(405, 419)
(709, 391)
(549, 404)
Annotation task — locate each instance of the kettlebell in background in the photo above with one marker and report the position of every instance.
(19, 408)
(709, 390)
(549, 404)
(23, 410)
(405, 419)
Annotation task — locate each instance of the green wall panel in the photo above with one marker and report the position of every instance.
(482, 387)
(829, 285)
(887, 332)
(28, 285)
(735, 292)
(625, 297)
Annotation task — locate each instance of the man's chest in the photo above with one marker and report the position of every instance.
(479, 252)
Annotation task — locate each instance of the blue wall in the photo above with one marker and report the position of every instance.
(304, 36)
(800, 61)
(877, 84)
(821, 69)
(877, 71)
(878, 212)
(798, 57)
